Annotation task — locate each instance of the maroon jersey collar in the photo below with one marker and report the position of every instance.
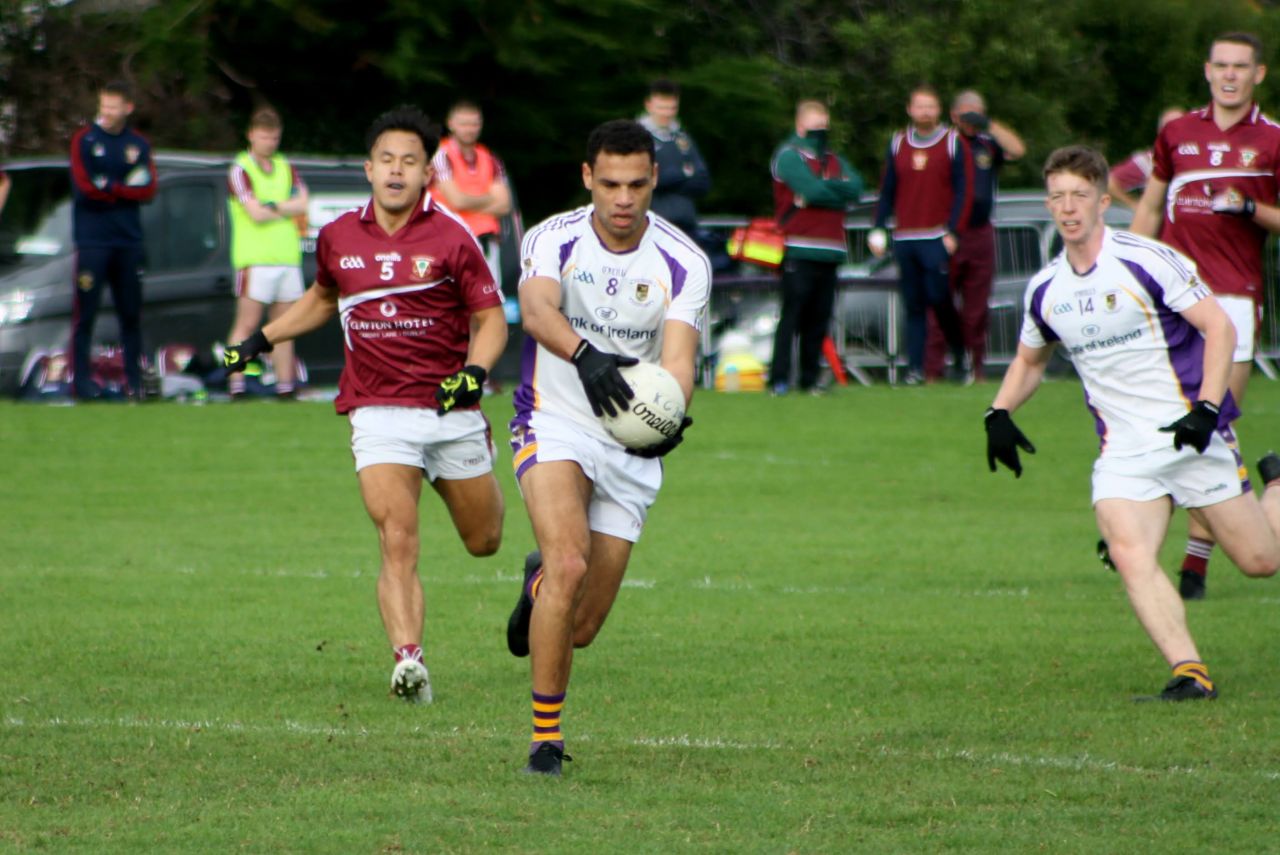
(1250, 118)
(425, 206)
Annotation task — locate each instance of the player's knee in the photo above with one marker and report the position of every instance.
(566, 575)
(585, 632)
(484, 542)
(1260, 564)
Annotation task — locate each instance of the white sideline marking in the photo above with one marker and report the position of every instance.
(1082, 763)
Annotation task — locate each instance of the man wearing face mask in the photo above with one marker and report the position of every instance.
(812, 186)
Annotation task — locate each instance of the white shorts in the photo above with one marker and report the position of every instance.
(623, 486)
(454, 446)
(1244, 314)
(270, 283)
(1192, 480)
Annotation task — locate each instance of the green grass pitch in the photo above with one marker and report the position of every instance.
(838, 634)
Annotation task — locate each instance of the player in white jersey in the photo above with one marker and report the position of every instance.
(607, 285)
(1153, 349)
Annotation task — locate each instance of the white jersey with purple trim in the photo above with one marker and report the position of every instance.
(1140, 361)
(618, 302)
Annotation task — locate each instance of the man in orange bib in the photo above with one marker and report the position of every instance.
(471, 180)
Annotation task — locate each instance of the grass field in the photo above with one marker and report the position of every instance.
(839, 634)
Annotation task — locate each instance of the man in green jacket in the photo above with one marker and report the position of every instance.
(812, 186)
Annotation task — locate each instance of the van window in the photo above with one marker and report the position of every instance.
(36, 222)
(181, 226)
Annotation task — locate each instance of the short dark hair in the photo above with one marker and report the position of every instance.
(664, 86)
(265, 118)
(1087, 163)
(1239, 38)
(117, 87)
(405, 118)
(619, 136)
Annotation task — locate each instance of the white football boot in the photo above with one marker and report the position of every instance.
(411, 681)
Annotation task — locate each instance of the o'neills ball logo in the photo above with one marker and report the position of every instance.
(660, 414)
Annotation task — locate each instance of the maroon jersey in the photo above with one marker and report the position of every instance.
(923, 185)
(1198, 160)
(405, 301)
(1132, 173)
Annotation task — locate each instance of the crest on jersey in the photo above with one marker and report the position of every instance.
(132, 153)
(1111, 301)
(422, 266)
(1247, 156)
(642, 291)
(85, 281)
(982, 160)
(919, 160)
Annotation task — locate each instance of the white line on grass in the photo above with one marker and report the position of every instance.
(1081, 763)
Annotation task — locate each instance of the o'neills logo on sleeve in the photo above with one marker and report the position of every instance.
(422, 266)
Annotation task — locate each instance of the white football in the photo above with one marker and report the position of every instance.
(656, 411)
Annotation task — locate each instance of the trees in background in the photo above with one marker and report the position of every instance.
(546, 71)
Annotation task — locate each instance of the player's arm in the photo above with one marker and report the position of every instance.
(1197, 427)
(542, 318)
(241, 190)
(606, 391)
(488, 337)
(1025, 373)
(135, 187)
(1007, 139)
(299, 200)
(1267, 216)
(1219, 333)
(496, 202)
(95, 187)
(1119, 194)
(679, 354)
(312, 311)
(1149, 212)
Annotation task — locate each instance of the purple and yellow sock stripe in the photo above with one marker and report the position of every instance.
(546, 717)
(1197, 671)
(535, 583)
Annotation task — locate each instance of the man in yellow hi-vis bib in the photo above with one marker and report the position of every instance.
(265, 195)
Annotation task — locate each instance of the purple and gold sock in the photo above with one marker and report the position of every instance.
(1197, 671)
(546, 721)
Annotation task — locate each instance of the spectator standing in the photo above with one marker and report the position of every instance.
(265, 196)
(1130, 176)
(112, 175)
(987, 145)
(924, 187)
(812, 186)
(1212, 196)
(471, 180)
(682, 173)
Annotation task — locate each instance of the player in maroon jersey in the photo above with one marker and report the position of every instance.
(1212, 195)
(423, 323)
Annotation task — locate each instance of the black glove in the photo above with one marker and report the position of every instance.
(1234, 202)
(976, 119)
(1195, 428)
(463, 389)
(236, 356)
(601, 379)
(662, 449)
(1003, 441)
